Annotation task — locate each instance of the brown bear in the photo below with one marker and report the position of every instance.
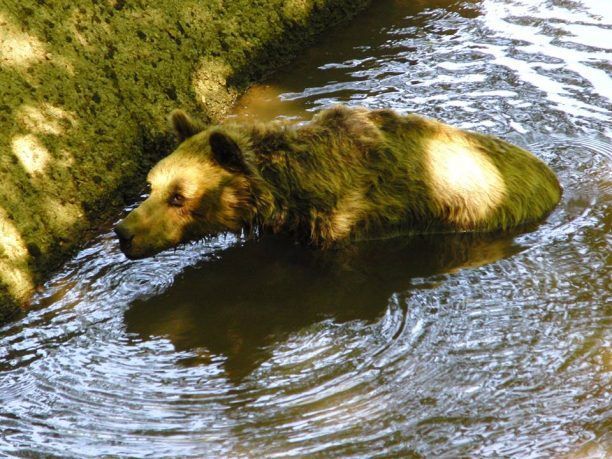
(349, 174)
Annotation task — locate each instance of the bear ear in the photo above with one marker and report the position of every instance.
(226, 152)
(183, 125)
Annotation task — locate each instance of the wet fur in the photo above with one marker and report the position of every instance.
(352, 173)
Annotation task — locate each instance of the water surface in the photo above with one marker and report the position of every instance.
(433, 346)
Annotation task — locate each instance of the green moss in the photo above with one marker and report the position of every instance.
(9, 308)
(85, 88)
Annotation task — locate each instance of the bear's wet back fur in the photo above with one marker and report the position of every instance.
(349, 174)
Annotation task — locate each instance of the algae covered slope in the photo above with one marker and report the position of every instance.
(85, 88)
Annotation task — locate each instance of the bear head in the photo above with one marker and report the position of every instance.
(199, 190)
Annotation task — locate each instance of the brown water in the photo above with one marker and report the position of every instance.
(440, 346)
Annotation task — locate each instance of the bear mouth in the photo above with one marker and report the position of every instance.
(131, 253)
(126, 249)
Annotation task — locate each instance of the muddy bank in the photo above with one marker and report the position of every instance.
(84, 93)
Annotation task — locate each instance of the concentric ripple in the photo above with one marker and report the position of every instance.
(438, 346)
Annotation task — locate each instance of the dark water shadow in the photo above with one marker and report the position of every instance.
(240, 304)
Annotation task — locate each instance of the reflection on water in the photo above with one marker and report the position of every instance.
(447, 346)
(282, 288)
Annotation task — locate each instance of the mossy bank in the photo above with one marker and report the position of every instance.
(85, 88)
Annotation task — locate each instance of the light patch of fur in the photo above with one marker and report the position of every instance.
(191, 175)
(348, 212)
(230, 207)
(464, 182)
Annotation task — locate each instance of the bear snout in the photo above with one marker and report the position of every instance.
(125, 236)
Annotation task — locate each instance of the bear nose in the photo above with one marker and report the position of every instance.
(124, 235)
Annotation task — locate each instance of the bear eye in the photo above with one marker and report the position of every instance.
(177, 200)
